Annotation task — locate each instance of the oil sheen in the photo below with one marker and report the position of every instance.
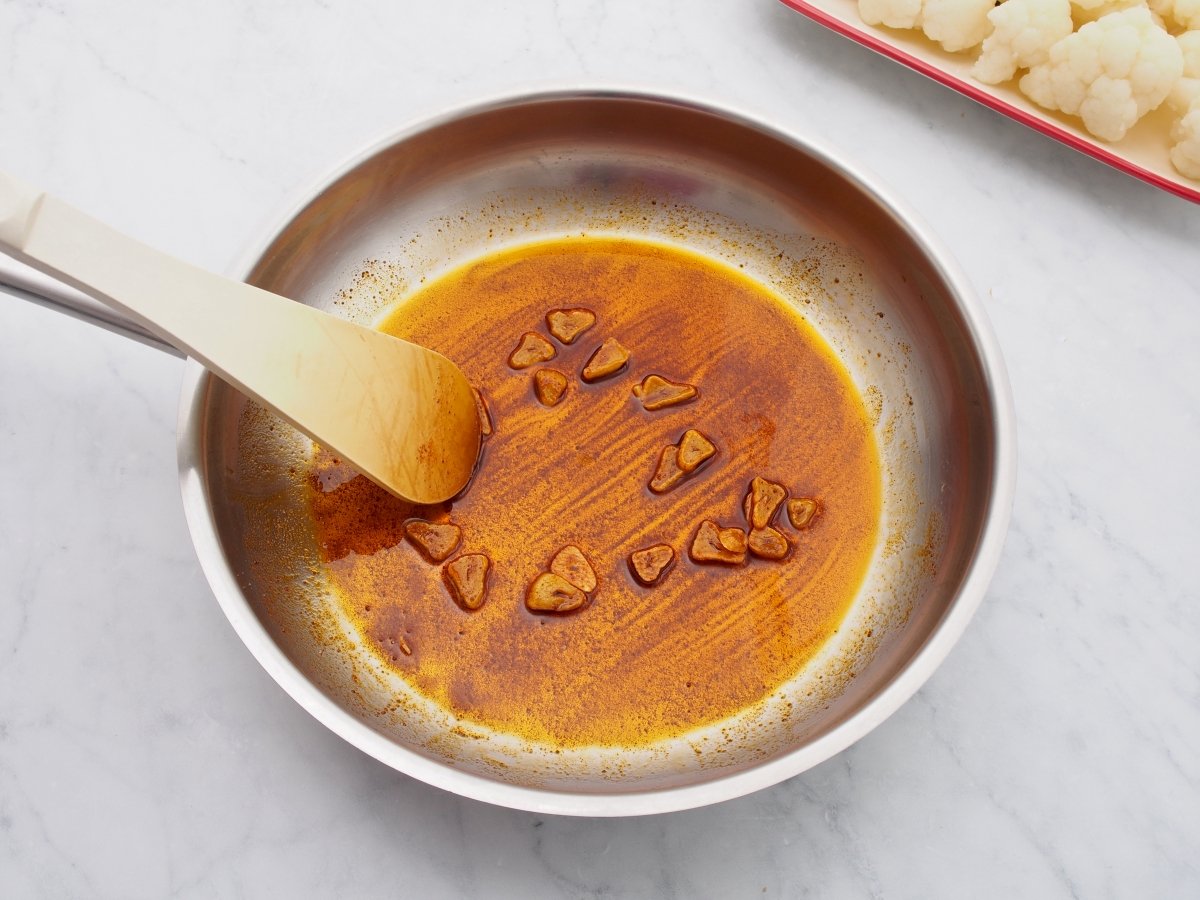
(637, 664)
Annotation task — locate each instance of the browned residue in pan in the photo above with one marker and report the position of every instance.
(636, 664)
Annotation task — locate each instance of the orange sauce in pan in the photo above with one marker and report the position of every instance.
(637, 663)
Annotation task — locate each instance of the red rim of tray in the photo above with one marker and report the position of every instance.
(964, 87)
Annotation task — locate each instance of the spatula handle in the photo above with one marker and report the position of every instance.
(18, 206)
(59, 242)
(196, 312)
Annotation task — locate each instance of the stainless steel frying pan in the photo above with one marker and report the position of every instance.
(865, 273)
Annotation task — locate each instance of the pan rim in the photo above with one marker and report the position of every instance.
(724, 786)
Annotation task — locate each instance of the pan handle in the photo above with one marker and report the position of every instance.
(20, 280)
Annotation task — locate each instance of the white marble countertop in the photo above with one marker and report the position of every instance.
(143, 752)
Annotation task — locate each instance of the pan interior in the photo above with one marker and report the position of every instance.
(636, 168)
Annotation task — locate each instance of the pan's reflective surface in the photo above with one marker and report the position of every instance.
(899, 318)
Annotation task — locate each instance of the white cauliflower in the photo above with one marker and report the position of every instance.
(1186, 92)
(1088, 6)
(1110, 72)
(1084, 11)
(955, 24)
(1185, 99)
(1183, 13)
(892, 13)
(1185, 147)
(1022, 34)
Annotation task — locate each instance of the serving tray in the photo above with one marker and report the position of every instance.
(1142, 153)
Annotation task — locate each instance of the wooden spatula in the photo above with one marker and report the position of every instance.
(402, 415)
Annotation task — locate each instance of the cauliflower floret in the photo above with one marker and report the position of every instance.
(1022, 34)
(955, 24)
(892, 13)
(1186, 91)
(1184, 13)
(1085, 11)
(1110, 72)
(1185, 149)
(1094, 9)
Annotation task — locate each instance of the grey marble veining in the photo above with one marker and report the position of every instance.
(143, 753)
